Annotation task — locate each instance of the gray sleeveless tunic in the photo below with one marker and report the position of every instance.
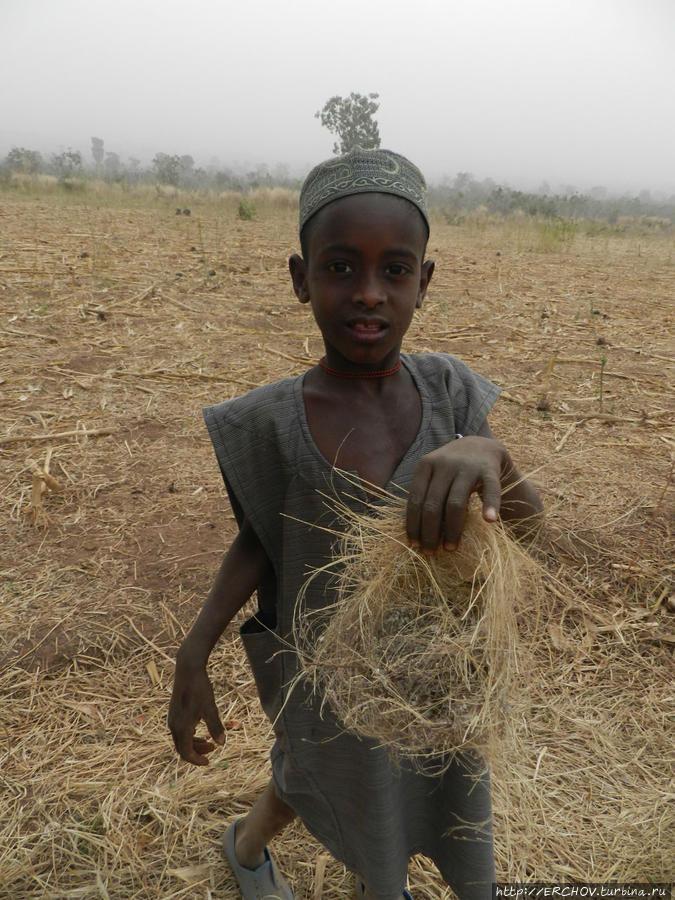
(370, 814)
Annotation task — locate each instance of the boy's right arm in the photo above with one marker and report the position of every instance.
(192, 700)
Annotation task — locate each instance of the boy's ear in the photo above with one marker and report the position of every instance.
(425, 277)
(298, 270)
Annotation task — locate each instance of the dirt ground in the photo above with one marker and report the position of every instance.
(117, 324)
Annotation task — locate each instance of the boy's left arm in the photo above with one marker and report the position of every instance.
(445, 479)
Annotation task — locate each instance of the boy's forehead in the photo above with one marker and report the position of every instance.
(344, 219)
(362, 172)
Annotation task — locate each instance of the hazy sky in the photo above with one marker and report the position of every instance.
(573, 91)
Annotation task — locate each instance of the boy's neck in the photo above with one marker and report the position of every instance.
(334, 361)
(376, 373)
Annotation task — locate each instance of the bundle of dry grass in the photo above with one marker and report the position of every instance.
(419, 651)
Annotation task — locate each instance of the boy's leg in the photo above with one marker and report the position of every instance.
(267, 817)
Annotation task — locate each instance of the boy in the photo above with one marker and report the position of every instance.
(393, 421)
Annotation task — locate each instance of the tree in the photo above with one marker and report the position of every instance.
(167, 168)
(67, 164)
(97, 151)
(133, 172)
(186, 171)
(21, 160)
(351, 119)
(112, 166)
(187, 164)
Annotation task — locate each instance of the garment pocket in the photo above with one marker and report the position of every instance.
(263, 649)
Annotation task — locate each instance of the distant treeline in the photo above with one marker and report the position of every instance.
(464, 194)
(165, 169)
(456, 197)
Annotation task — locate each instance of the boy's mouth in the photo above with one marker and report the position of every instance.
(367, 329)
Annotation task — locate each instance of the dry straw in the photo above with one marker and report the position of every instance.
(419, 651)
(107, 357)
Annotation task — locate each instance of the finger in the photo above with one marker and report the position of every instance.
(202, 746)
(491, 494)
(197, 750)
(191, 749)
(433, 510)
(197, 759)
(416, 494)
(455, 511)
(176, 733)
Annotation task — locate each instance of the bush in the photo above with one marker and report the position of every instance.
(246, 210)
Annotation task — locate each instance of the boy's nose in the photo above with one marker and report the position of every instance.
(370, 291)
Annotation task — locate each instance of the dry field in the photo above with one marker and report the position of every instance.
(117, 324)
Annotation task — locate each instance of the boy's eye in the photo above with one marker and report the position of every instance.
(397, 269)
(340, 267)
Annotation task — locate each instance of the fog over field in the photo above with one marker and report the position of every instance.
(522, 91)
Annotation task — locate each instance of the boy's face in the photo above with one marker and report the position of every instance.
(364, 276)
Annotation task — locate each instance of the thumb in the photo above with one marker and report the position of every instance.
(213, 723)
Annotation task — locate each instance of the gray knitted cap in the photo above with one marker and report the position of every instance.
(358, 172)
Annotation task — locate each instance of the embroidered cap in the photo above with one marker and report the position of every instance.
(359, 172)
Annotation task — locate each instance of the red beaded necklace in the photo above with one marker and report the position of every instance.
(380, 373)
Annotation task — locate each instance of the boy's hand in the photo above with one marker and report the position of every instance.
(191, 701)
(442, 484)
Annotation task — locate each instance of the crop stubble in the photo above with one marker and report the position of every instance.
(113, 335)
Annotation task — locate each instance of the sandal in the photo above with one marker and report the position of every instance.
(360, 890)
(263, 883)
